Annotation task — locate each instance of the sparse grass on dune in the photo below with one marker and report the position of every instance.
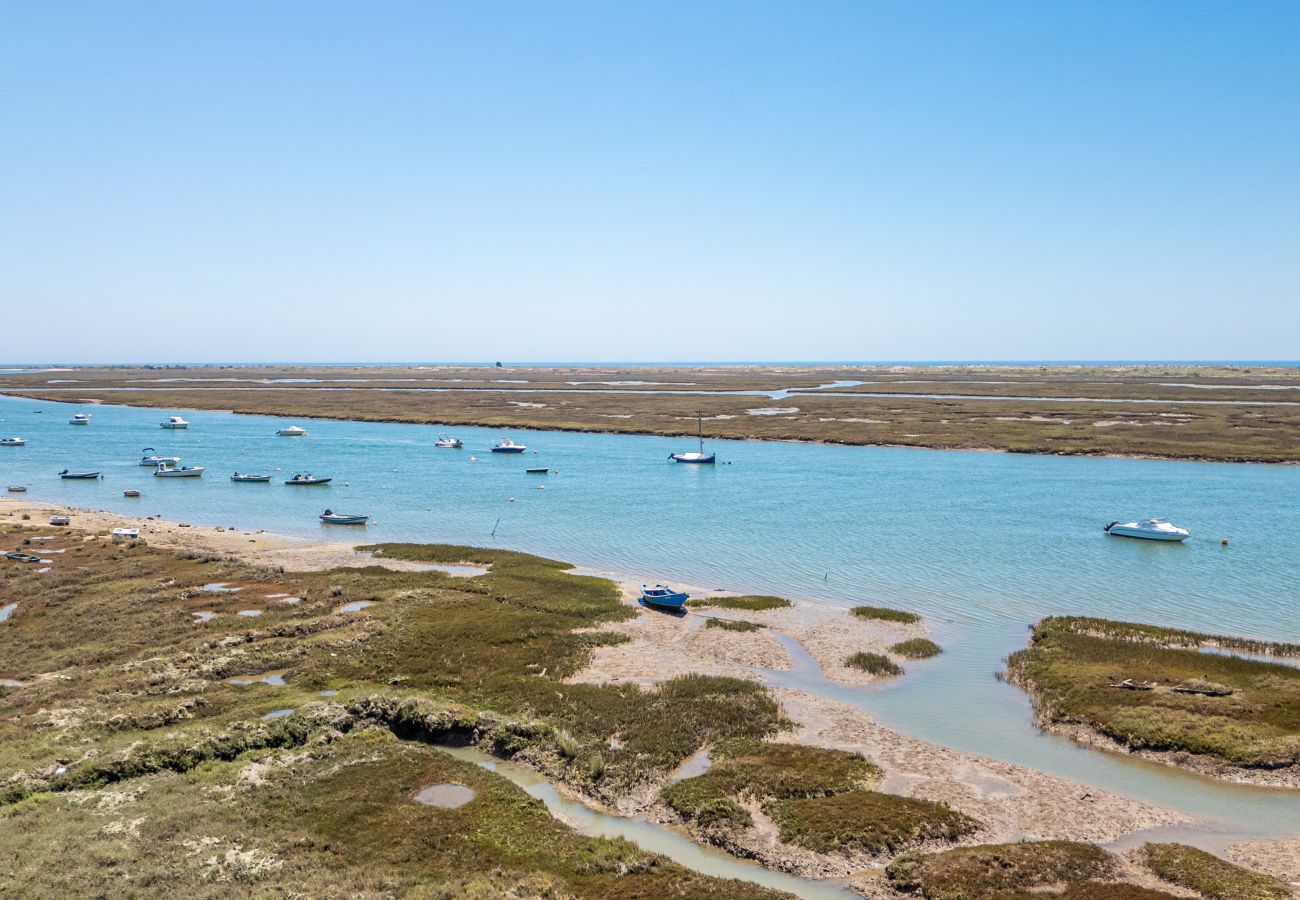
(1071, 666)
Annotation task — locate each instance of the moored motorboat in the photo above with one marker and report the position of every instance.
(541, 470)
(1148, 529)
(12, 442)
(245, 478)
(292, 431)
(156, 461)
(664, 597)
(307, 479)
(449, 443)
(175, 423)
(78, 476)
(80, 419)
(505, 445)
(131, 493)
(178, 471)
(329, 517)
(17, 488)
(701, 456)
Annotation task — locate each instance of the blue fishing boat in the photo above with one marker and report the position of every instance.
(663, 597)
(505, 445)
(701, 456)
(77, 476)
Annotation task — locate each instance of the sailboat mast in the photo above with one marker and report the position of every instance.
(699, 423)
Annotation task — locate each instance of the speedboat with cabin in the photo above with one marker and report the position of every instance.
(664, 597)
(245, 478)
(505, 445)
(292, 431)
(449, 443)
(1149, 529)
(175, 422)
(330, 517)
(307, 479)
(178, 471)
(699, 457)
(156, 461)
(80, 419)
(12, 442)
(78, 476)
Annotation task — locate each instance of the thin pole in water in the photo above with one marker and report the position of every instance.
(494, 527)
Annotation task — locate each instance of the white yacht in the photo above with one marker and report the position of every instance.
(156, 460)
(80, 419)
(1149, 529)
(449, 443)
(175, 422)
(166, 471)
(12, 442)
(292, 431)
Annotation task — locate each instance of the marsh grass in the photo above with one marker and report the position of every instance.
(1001, 870)
(874, 664)
(916, 648)
(752, 602)
(885, 614)
(1071, 664)
(732, 625)
(1208, 875)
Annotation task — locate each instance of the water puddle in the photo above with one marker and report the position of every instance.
(276, 679)
(220, 587)
(7, 611)
(204, 616)
(355, 606)
(290, 600)
(651, 836)
(250, 612)
(460, 571)
(10, 683)
(328, 693)
(277, 713)
(1267, 658)
(696, 764)
(446, 796)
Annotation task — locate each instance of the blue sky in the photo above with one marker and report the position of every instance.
(649, 181)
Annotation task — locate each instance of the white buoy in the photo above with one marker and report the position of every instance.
(512, 499)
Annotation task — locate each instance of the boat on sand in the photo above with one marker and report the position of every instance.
(663, 597)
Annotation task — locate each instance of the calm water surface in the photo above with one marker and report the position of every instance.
(983, 544)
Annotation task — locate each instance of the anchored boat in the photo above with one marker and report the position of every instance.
(131, 493)
(505, 445)
(178, 471)
(156, 461)
(329, 517)
(664, 597)
(80, 419)
(308, 479)
(537, 471)
(1149, 529)
(77, 476)
(244, 478)
(292, 431)
(12, 442)
(175, 423)
(449, 443)
(701, 456)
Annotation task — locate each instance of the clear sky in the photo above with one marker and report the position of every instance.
(535, 181)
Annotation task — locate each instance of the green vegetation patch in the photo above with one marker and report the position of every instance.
(866, 820)
(1242, 712)
(885, 614)
(752, 602)
(874, 664)
(1000, 870)
(1209, 875)
(916, 648)
(732, 625)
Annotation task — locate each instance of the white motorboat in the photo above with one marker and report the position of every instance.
(178, 471)
(156, 461)
(80, 419)
(1149, 529)
(175, 422)
(12, 442)
(505, 445)
(292, 431)
(449, 443)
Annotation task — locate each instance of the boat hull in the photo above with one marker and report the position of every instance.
(509, 449)
(317, 482)
(345, 520)
(79, 476)
(694, 458)
(664, 599)
(251, 479)
(1121, 531)
(179, 473)
(12, 442)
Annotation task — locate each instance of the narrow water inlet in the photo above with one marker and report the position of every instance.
(651, 836)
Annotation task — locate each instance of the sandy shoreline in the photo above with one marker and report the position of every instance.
(1015, 802)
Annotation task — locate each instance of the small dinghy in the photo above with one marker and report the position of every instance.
(330, 517)
(12, 442)
(292, 431)
(505, 445)
(80, 419)
(78, 476)
(664, 597)
(449, 443)
(131, 493)
(307, 480)
(156, 461)
(701, 456)
(541, 470)
(126, 534)
(175, 423)
(60, 520)
(245, 478)
(17, 488)
(1149, 529)
(178, 471)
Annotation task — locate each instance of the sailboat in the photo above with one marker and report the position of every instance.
(701, 456)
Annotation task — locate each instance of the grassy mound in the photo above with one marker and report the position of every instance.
(732, 625)
(874, 664)
(1208, 875)
(752, 602)
(1001, 870)
(885, 614)
(916, 648)
(866, 820)
(1251, 718)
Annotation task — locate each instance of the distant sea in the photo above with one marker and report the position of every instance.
(1290, 363)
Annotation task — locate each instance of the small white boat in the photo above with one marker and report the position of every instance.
(12, 442)
(248, 478)
(178, 471)
(1149, 529)
(126, 534)
(175, 422)
(80, 419)
(292, 431)
(329, 517)
(505, 445)
(156, 461)
(449, 443)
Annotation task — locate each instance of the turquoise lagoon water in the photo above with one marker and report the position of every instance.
(983, 544)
